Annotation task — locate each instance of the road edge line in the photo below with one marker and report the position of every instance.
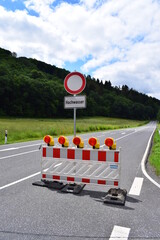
(20, 180)
(18, 154)
(144, 160)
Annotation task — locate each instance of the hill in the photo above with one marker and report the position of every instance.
(31, 88)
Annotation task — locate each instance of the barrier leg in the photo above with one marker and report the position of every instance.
(49, 184)
(73, 188)
(115, 196)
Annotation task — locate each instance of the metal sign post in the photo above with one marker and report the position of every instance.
(74, 102)
(74, 122)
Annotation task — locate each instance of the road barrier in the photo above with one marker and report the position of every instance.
(74, 165)
(89, 166)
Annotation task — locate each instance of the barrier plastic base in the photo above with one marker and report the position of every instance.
(54, 184)
(115, 196)
(73, 188)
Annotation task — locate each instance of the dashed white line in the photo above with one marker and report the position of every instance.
(128, 135)
(123, 137)
(120, 233)
(100, 136)
(85, 139)
(136, 186)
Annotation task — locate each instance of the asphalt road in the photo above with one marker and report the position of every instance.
(30, 212)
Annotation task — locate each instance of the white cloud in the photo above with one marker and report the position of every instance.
(118, 40)
(91, 3)
(41, 6)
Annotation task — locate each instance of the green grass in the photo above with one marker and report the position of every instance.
(154, 158)
(32, 129)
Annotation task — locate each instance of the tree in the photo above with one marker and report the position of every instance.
(36, 74)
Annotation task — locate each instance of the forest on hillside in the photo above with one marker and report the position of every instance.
(31, 88)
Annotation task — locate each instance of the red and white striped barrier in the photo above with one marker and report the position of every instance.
(88, 166)
(81, 154)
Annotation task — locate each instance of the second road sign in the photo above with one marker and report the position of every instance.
(75, 102)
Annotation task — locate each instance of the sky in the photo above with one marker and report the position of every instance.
(116, 40)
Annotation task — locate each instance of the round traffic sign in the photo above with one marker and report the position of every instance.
(74, 83)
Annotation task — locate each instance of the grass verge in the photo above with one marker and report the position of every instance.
(154, 158)
(21, 130)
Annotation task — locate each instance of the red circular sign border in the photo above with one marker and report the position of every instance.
(80, 89)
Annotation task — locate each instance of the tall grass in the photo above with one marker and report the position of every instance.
(33, 129)
(154, 158)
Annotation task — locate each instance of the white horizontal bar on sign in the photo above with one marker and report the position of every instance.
(120, 233)
(75, 102)
(136, 186)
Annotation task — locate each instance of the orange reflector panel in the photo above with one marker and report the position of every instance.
(109, 142)
(61, 140)
(47, 139)
(92, 141)
(76, 141)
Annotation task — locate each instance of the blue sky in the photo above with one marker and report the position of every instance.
(116, 40)
(17, 5)
(10, 5)
(14, 5)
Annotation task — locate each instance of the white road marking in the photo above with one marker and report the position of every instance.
(7, 149)
(135, 131)
(136, 186)
(144, 156)
(85, 139)
(128, 134)
(20, 180)
(123, 137)
(100, 136)
(119, 233)
(144, 161)
(18, 154)
(16, 148)
(123, 133)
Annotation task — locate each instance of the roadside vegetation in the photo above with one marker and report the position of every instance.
(154, 158)
(20, 130)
